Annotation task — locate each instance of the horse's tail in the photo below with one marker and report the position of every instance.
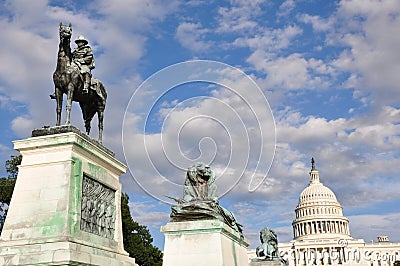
(100, 90)
(103, 90)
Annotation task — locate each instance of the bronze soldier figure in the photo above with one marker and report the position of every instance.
(82, 56)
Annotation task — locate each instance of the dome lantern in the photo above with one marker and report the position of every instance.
(314, 173)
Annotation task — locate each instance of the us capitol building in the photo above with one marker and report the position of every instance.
(321, 234)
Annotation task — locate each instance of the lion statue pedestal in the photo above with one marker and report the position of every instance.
(202, 232)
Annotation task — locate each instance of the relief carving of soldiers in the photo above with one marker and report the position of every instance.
(97, 208)
(84, 213)
(101, 218)
(110, 220)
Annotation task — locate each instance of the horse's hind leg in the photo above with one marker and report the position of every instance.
(86, 121)
(59, 98)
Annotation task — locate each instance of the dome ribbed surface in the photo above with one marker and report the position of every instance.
(317, 192)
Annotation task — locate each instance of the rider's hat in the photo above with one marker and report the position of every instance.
(81, 38)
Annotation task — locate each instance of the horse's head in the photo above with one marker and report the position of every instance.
(65, 31)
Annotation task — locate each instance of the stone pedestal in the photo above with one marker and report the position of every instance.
(65, 209)
(267, 263)
(203, 243)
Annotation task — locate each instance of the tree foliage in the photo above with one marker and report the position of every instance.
(7, 183)
(137, 239)
(12, 166)
(7, 186)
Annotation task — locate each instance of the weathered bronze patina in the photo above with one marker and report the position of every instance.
(200, 199)
(73, 77)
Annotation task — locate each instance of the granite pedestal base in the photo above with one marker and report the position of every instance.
(203, 243)
(65, 209)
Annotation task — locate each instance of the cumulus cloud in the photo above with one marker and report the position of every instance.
(368, 33)
(229, 127)
(319, 24)
(147, 213)
(370, 227)
(137, 15)
(293, 72)
(286, 7)
(22, 125)
(191, 36)
(270, 40)
(239, 16)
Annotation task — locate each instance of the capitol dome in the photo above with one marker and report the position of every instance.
(318, 213)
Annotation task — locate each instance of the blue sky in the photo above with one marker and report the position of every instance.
(328, 70)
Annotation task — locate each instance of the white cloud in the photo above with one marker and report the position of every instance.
(293, 72)
(319, 24)
(286, 8)
(379, 130)
(22, 126)
(368, 31)
(212, 130)
(270, 40)
(191, 36)
(135, 15)
(239, 16)
(371, 226)
(146, 213)
(6, 103)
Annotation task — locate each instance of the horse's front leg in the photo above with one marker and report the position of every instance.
(59, 99)
(100, 115)
(70, 94)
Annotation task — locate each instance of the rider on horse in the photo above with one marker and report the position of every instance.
(82, 56)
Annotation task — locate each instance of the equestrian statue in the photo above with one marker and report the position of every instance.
(73, 77)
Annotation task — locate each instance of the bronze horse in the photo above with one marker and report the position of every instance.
(68, 79)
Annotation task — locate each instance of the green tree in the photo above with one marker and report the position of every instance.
(137, 238)
(7, 186)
